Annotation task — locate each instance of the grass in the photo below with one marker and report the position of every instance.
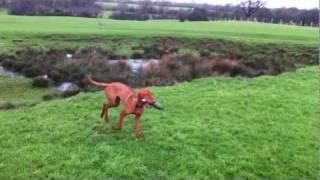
(20, 91)
(212, 128)
(25, 31)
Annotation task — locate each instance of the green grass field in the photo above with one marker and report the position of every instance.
(25, 31)
(212, 128)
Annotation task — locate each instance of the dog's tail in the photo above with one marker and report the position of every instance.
(98, 84)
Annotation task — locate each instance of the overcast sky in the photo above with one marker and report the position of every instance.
(301, 4)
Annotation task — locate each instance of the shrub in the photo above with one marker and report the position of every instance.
(190, 60)
(56, 76)
(129, 16)
(20, 65)
(54, 8)
(237, 54)
(274, 63)
(8, 64)
(7, 106)
(153, 51)
(183, 15)
(198, 14)
(226, 67)
(32, 71)
(119, 71)
(204, 53)
(40, 81)
(137, 54)
(203, 68)
(173, 69)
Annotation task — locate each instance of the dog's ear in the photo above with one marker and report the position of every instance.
(139, 95)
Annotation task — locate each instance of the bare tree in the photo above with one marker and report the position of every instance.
(163, 6)
(122, 7)
(249, 7)
(4, 3)
(146, 6)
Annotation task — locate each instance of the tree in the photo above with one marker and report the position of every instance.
(309, 17)
(122, 7)
(163, 6)
(83, 8)
(264, 15)
(286, 15)
(250, 7)
(4, 3)
(183, 15)
(146, 7)
(198, 14)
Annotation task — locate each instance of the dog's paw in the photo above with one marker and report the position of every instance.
(117, 128)
(139, 135)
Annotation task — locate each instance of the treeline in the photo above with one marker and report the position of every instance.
(81, 8)
(144, 10)
(277, 15)
(4, 3)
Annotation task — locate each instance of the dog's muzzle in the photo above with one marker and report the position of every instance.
(154, 104)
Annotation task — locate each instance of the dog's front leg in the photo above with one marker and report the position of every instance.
(121, 121)
(138, 126)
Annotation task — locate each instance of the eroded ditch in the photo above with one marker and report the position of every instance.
(164, 62)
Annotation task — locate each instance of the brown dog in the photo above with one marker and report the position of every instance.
(134, 102)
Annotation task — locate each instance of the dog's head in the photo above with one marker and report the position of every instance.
(146, 99)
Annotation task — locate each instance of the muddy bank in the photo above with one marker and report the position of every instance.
(174, 60)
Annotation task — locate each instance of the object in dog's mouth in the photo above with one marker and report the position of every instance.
(157, 105)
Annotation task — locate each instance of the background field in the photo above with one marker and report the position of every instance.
(211, 128)
(24, 31)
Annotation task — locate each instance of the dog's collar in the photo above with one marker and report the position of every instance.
(139, 103)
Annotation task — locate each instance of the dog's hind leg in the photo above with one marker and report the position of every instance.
(105, 109)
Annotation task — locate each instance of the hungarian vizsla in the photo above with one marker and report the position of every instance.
(134, 102)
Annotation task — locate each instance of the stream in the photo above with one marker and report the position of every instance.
(4, 72)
